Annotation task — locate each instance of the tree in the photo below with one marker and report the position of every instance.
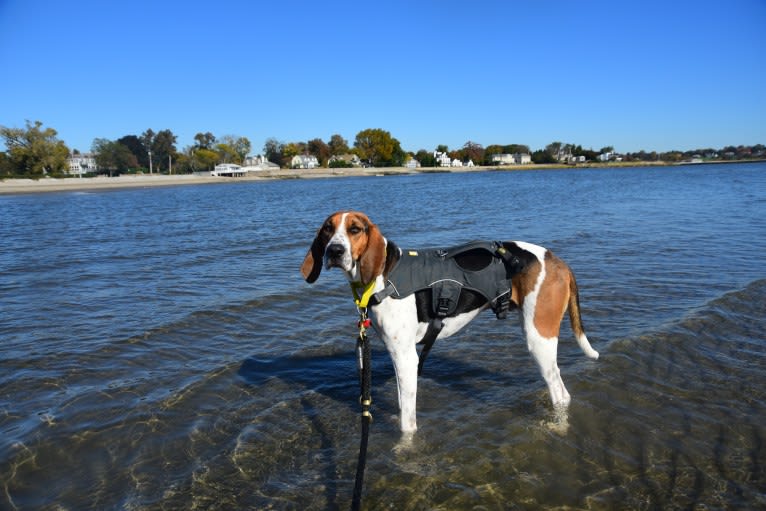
(113, 157)
(163, 149)
(204, 140)
(425, 158)
(273, 151)
(137, 148)
(555, 150)
(379, 148)
(225, 153)
(542, 156)
(147, 139)
(33, 151)
(474, 152)
(338, 145)
(292, 149)
(233, 149)
(206, 158)
(318, 148)
(6, 167)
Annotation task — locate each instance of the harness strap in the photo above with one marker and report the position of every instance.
(434, 327)
(363, 300)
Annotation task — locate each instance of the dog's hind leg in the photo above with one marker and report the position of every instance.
(544, 351)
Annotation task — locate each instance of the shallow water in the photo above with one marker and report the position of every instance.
(160, 350)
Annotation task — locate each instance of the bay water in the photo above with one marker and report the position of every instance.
(160, 350)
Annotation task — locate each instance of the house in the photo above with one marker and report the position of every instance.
(511, 159)
(80, 164)
(412, 164)
(522, 158)
(442, 159)
(609, 157)
(304, 161)
(456, 163)
(228, 170)
(348, 158)
(258, 164)
(503, 159)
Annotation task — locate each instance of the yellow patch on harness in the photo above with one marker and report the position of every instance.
(413, 253)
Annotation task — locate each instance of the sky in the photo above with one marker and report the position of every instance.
(636, 75)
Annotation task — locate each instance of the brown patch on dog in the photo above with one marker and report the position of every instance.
(367, 246)
(312, 263)
(553, 296)
(524, 283)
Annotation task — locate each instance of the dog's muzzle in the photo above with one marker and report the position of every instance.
(335, 256)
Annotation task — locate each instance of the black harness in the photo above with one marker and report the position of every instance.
(448, 281)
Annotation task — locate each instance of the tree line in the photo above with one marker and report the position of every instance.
(35, 151)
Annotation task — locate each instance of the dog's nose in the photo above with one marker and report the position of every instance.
(335, 251)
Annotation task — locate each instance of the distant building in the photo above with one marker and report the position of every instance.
(609, 157)
(257, 164)
(82, 164)
(412, 164)
(442, 159)
(304, 161)
(511, 159)
(348, 158)
(228, 170)
(522, 158)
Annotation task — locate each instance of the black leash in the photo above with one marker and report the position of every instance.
(364, 354)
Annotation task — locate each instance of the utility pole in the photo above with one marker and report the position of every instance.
(170, 166)
(150, 162)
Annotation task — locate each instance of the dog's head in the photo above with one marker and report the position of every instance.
(350, 241)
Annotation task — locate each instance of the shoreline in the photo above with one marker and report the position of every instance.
(73, 184)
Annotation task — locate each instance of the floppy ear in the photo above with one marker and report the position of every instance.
(373, 260)
(312, 264)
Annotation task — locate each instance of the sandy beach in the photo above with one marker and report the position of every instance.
(18, 186)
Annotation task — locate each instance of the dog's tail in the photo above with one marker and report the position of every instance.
(576, 321)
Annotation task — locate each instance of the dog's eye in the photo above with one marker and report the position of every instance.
(327, 227)
(354, 229)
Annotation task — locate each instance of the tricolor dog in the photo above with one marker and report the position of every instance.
(417, 296)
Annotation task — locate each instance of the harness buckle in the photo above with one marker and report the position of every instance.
(443, 306)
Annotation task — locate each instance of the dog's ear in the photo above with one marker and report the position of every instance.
(373, 260)
(312, 264)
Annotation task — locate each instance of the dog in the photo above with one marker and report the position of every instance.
(539, 284)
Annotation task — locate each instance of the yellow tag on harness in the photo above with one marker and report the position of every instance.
(367, 291)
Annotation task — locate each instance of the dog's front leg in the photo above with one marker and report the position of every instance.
(405, 358)
(397, 323)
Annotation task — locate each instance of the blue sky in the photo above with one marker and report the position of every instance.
(634, 75)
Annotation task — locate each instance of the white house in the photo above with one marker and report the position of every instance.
(257, 164)
(522, 158)
(81, 164)
(456, 163)
(304, 161)
(609, 157)
(503, 159)
(511, 159)
(412, 164)
(228, 170)
(442, 159)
